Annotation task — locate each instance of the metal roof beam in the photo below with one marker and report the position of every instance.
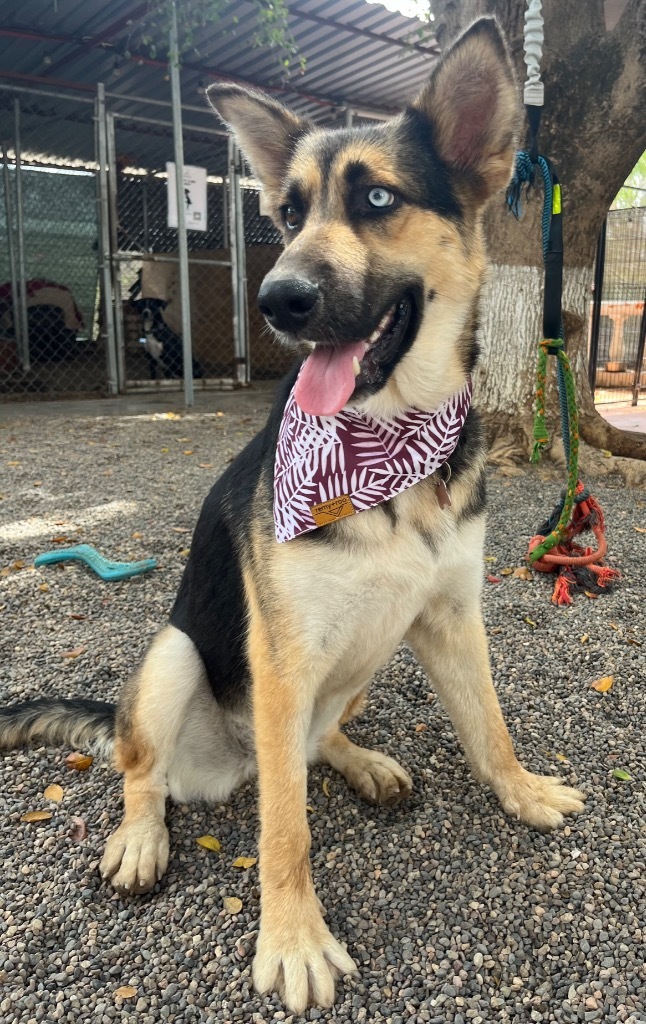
(138, 58)
(101, 37)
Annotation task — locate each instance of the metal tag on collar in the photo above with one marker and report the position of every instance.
(441, 489)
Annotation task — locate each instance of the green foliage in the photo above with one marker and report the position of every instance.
(633, 191)
(193, 16)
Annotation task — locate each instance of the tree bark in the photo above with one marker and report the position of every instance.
(593, 130)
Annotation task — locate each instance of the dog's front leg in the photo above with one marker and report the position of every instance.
(451, 644)
(296, 954)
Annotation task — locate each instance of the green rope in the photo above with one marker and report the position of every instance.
(555, 346)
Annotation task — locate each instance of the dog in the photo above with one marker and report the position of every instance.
(163, 347)
(271, 646)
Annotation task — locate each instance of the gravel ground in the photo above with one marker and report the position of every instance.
(453, 912)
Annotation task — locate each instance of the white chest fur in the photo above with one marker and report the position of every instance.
(353, 601)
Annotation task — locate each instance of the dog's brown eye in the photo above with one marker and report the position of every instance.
(292, 217)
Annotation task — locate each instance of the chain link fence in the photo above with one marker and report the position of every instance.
(49, 343)
(618, 316)
(71, 238)
(146, 269)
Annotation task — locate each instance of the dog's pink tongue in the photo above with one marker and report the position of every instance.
(327, 379)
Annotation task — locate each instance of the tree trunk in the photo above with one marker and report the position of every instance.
(593, 130)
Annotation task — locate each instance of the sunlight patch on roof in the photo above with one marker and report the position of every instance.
(409, 8)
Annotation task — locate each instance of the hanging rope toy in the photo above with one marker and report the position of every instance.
(555, 548)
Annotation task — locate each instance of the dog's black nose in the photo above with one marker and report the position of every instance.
(287, 302)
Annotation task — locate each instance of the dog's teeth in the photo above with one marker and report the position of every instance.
(355, 366)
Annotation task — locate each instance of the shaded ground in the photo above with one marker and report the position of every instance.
(453, 912)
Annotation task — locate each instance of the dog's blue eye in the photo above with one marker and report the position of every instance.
(380, 197)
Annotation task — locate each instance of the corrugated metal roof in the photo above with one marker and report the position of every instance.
(357, 54)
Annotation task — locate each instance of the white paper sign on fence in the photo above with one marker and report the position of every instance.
(194, 197)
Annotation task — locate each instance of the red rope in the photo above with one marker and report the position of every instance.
(568, 556)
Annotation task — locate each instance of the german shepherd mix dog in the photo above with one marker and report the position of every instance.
(271, 646)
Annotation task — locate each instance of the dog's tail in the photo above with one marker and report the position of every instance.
(53, 721)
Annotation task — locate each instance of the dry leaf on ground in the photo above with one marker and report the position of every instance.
(326, 787)
(209, 843)
(36, 816)
(44, 587)
(603, 685)
(232, 904)
(523, 573)
(507, 572)
(562, 758)
(530, 622)
(54, 792)
(126, 992)
(494, 579)
(78, 762)
(245, 862)
(422, 727)
(622, 775)
(76, 653)
(640, 529)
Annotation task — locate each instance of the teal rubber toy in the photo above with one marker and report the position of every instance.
(102, 566)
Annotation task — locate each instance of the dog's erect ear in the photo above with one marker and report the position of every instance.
(266, 131)
(471, 100)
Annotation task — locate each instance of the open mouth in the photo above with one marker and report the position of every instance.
(330, 376)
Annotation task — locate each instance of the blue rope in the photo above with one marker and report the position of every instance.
(524, 174)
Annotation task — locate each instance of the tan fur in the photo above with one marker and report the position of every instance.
(151, 717)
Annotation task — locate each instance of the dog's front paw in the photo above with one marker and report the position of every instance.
(539, 800)
(136, 855)
(300, 960)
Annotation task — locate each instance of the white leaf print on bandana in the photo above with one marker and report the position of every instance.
(358, 458)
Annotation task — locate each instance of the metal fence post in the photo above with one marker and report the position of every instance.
(115, 269)
(182, 243)
(595, 320)
(8, 202)
(104, 236)
(20, 232)
(639, 358)
(238, 268)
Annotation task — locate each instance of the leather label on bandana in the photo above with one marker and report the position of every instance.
(330, 511)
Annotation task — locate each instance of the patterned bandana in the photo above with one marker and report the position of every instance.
(330, 467)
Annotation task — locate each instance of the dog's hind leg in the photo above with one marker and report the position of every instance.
(150, 716)
(373, 775)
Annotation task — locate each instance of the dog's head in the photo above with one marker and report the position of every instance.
(383, 257)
